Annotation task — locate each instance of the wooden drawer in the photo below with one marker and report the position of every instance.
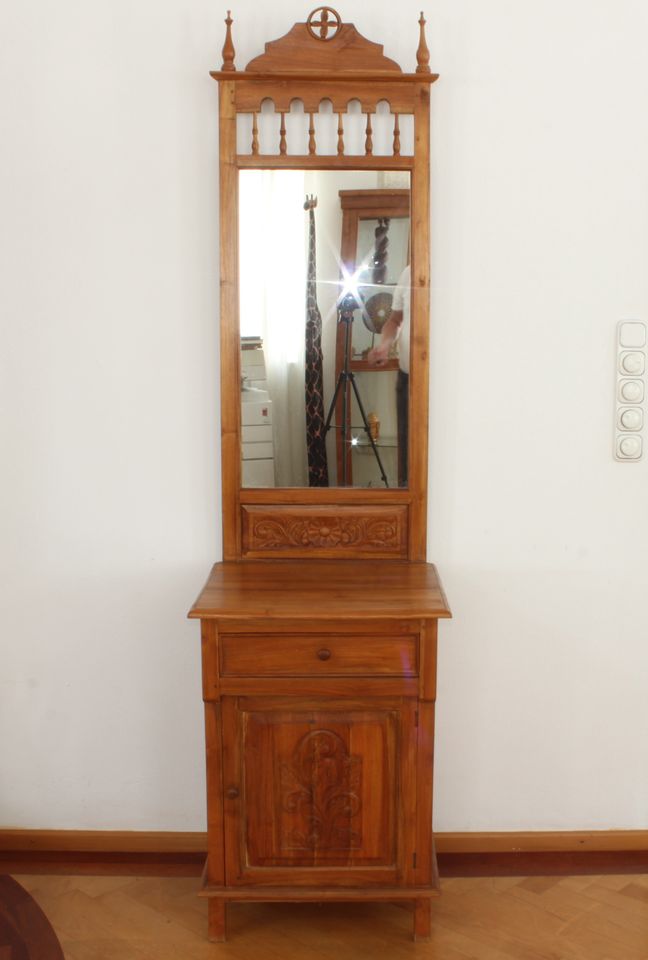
(326, 655)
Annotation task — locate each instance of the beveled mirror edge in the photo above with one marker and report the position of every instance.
(315, 522)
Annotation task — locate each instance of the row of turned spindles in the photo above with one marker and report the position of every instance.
(312, 146)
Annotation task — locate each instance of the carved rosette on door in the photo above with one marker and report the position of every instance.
(322, 786)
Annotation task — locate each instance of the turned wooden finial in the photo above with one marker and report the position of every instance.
(228, 46)
(422, 54)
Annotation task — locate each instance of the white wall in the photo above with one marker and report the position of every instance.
(108, 247)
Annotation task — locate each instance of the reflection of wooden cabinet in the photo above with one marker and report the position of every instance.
(361, 212)
(319, 692)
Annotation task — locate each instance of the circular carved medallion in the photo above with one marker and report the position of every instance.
(324, 23)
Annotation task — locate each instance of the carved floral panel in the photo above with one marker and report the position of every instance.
(320, 531)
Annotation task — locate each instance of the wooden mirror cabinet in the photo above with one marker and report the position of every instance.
(319, 627)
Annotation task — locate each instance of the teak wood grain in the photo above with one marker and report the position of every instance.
(349, 590)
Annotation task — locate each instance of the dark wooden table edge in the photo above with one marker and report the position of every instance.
(23, 921)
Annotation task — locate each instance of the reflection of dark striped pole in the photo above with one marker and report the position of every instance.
(379, 260)
(313, 373)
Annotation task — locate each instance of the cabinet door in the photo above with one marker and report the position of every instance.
(319, 792)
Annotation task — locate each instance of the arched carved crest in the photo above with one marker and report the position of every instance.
(324, 46)
(299, 51)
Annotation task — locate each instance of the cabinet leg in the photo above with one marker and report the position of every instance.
(216, 919)
(423, 919)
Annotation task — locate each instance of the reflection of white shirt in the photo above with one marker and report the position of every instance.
(401, 301)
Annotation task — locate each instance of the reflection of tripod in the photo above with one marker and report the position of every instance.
(346, 376)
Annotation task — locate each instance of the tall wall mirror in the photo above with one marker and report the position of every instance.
(337, 244)
(324, 297)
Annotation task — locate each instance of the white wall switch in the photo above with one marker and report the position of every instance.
(629, 447)
(631, 418)
(632, 362)
(632, 333)
(631, 345)
(631, 391)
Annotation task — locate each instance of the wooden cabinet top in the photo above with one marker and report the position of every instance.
(329, 589)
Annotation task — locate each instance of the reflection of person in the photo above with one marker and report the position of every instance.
(397, 328)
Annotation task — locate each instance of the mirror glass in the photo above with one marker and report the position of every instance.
(324, 324)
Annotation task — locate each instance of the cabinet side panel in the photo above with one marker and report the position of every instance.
(215, 839)
(232, 738)
(425, 872)
(428, 659)
(209, 651)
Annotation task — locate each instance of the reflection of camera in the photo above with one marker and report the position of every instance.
(348, 304)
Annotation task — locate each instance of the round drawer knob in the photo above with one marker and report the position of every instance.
(232, 793)
(324, 654)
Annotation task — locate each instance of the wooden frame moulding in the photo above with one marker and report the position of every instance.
(300, 66)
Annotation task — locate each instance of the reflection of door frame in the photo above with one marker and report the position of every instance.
(360, 205)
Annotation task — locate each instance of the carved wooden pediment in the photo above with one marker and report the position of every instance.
(300, 51)
(323, 46)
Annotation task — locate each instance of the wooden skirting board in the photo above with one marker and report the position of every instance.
(103, 841)
(544, 841)
(170, 843)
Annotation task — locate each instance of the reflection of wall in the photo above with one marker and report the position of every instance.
(272, 273)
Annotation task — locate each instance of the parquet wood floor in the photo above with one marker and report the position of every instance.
(503, 918)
